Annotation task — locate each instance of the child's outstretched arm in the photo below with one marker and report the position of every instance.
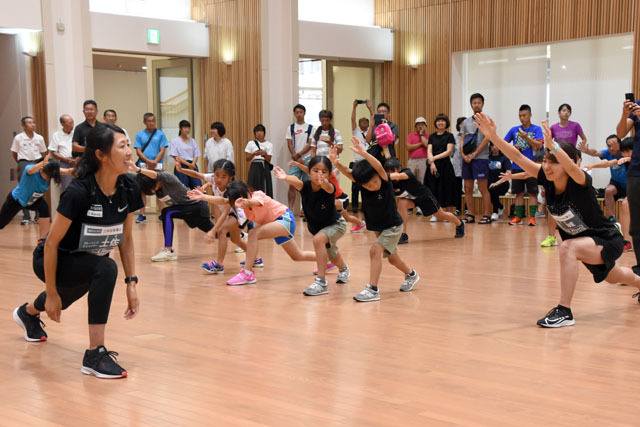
(189, 172)
(357, 148)
(289, 179)
(300, 166)
(488, 128)
(602, 164)
(572, 169)
(333, 156)
(196, 194)
(398, 176)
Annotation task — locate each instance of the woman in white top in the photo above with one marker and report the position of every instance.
(325, 136)
(258, 152)
(185, 151)
(217, 147)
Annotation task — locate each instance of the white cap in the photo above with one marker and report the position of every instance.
(421, 120)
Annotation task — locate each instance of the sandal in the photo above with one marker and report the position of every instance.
(485, 220)
(469, 219)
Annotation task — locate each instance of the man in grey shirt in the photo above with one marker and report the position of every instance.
(475, 163)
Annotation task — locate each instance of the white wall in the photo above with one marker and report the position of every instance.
(23, 14)
(129, 34)
(349, 12)
(125, 92)
(161, 9)
(324, 40)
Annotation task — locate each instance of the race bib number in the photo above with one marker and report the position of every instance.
(100, 239)
(570, 223)
(34, 198)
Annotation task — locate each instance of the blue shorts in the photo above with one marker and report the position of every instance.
(295, 171)
(477, 169)
(288, 221)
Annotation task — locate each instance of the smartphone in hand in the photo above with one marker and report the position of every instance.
(630, 97)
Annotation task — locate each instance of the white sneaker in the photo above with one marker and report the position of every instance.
(494, 216)
(165, 255)
(433, 219)
(500, 211)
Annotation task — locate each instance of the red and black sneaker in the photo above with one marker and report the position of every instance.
(102, 363)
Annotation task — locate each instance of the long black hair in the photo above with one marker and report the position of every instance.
(332, 131)
(235, 191)
(52, 169)
(320, 159)
(99, 138)
(568, 148)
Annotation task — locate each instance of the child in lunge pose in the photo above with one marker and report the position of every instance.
(412, 192)
(323, 220)
(272, 219)
(381, 215)
(587, 235)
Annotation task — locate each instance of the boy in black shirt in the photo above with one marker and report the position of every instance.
(381, 216)
(412, 192)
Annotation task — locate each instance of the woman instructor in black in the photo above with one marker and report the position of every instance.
(94, 216)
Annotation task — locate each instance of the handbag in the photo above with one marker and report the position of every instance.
(470, 143)
(268, 165)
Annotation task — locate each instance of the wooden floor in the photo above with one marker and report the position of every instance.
(462, 349)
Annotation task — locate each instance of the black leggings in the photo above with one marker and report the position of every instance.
(495, 193)
(195, 215)
(11, 207)
(77, 274)
(355, 192)
(633, 197)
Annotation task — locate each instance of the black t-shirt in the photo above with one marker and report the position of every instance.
(319, 207)
(80, 135)
(633, 169)
(576, 210)
(439, 143)
(497, 164)
(97, 221)
(380, 210)
(409, 188)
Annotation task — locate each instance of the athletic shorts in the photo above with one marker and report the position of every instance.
(427, 204)
(334, 232)
(297, 172)
(289, 223)
(621, 191)
(520, 185)
(477, 169)
(388, 239)
(344, 198)
(612, 247)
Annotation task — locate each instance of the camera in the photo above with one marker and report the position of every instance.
(361, 101)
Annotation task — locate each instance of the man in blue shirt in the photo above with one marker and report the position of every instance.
(150, 145)
(617, 187)
(526, 138)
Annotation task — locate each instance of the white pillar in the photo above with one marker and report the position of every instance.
(279, 78)
(68, 62)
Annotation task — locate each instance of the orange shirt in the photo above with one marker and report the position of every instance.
(268, 211)
(334, 181)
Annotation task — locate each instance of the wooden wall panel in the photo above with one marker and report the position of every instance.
(39, 89)
(231, 94)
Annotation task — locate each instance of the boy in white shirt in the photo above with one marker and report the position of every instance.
(298, 136)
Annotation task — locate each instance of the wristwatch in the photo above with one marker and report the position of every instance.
(130, 279)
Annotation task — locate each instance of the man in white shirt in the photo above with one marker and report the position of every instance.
(110, 116)
(217, 147)
(60, 146)
(358, 130)
(298, 136)
(27, 148)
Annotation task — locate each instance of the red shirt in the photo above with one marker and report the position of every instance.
(334, 181)
(418, 153)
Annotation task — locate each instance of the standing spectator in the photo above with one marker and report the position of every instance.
(475, 155)
(217, 147)
(417, 145)
(567, 130)
(298, 136)
(440, 177)
(150, 145)
(498, 164)
(456, 159)
(374, 148)
(258, 152)
(79, 139)
(186, 152)
(28, 148)
(526, 138)
(325, 136)
(110, 116)
(60, 147)
(359, 131)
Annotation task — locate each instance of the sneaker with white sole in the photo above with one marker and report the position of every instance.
(500, 212)
(102, 364)
(343, 275)
(258, 263)
(318, 287)
(549, 241)
(410, 281)
(495, 216)
(243, 278)
(359, 227)
(213, 267)
(32, 325)
(330, 266)
(165, 255)
(368, 294)
(433, 219)
(557, 317)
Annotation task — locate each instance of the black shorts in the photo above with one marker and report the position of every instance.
(344, 198)
(518, 185)
(427, 204)
(612, 246)
(195, 215)
(621, 191)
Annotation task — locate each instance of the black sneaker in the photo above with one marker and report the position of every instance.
(32, 325)
(460, 230)
(404, 238)
(102, 363)
(557, 318)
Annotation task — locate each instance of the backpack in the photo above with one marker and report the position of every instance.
(470, 143)
(293, 134)
(384, 136)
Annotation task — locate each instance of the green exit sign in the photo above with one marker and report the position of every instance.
(153, 36)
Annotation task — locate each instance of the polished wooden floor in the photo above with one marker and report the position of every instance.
(462, 349)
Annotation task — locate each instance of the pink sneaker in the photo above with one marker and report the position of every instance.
(330, 266)
(358, 227)
(242, 278)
